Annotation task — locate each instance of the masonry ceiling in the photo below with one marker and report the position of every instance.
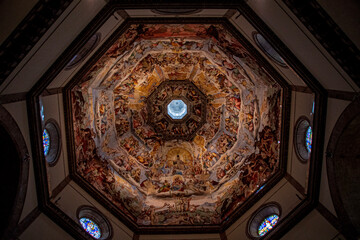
(203, 171)
(196, 170)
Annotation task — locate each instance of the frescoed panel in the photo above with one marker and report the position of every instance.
(159, 170)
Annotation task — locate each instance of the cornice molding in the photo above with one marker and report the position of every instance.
(26, 222)
(295, 184)
(286, 96)
(28, 33)
(60, 187)
(286, 224)
(14, 97)
(310, 202)
(331, 218)
(329, 35)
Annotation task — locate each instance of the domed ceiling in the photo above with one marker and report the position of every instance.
(176, 124)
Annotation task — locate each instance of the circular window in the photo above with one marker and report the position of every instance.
(267, 224)
(263, 220)
(268, 49)
(46, 142)
(303, 139)
(84, 51)
(90, 227)
(177, 109)
(51, 142)
(94, 222)
(176, 11)
(42, 115)
(308, 139)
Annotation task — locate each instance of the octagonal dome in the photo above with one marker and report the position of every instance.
(177, 109)
(193, 112)
(158, 170)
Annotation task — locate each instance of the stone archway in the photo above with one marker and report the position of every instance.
(14, 177)
(343, 168)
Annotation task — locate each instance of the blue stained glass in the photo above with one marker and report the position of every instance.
(313, 108)
(308, 139)
(46, 142)
(260, 188)
(177, 109)
(42, 113)
(268, 224)
(91, 227)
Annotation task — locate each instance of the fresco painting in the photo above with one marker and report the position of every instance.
(121, 144)
(161, 120)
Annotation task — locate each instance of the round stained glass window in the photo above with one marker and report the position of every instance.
(177, 109)
(303, 139)
(42, 113)
(265, 46)
(84, 51)
(51, 142)
(267, 224)
(46, 142)
(308, 139)
(263, 220)
(176, 11)
(91, 227)
(94, 223)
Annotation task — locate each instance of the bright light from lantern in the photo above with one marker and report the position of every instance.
(177, 109)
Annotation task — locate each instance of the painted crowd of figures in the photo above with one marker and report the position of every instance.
(155, 181)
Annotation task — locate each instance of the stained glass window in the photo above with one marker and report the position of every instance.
(267, 224)
(268, 49)
(42, 113)
(260, 188)
(84, 51)
(313, 108)
(46, 141)
(91, 227)
(308, 139)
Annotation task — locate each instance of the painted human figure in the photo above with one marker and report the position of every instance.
(165, 188)
(178, 184)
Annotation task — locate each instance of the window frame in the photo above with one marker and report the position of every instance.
(54, 132)
(259, 216)
(98, 218)
(269, 55)
(300, 129)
